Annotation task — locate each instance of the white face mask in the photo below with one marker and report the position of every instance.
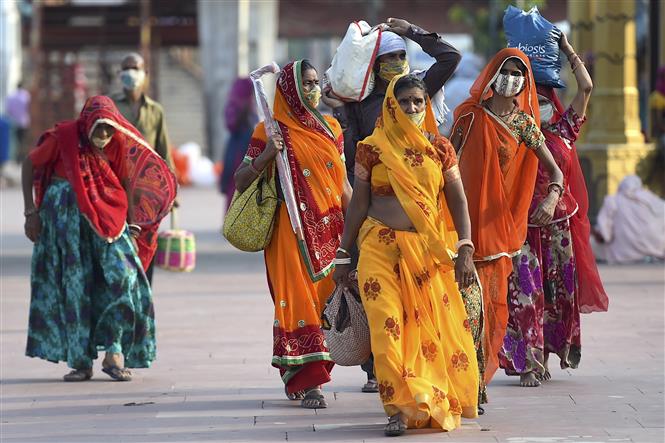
(100, 143)
(132, 79)
(546, 112)
(508, 85)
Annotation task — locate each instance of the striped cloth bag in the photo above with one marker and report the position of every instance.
(176, 248)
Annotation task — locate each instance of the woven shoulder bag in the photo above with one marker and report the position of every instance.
(344, 324)
(249, 221)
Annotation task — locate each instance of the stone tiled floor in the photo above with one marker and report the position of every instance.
(213, 382)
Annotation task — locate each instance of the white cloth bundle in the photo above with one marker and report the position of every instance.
(350, 74)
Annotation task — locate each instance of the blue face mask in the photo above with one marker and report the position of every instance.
(132, 79)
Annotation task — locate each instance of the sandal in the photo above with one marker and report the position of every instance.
(395, 426)
(117, 374)
(314, 399)
(78, 375)
(371, 386)
(299, 395)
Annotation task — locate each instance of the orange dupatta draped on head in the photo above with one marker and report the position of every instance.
(498, 200)
(315, 147)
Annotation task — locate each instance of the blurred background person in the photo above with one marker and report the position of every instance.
(240, 117)
(142, 112)
(631, 224)
(18, 111)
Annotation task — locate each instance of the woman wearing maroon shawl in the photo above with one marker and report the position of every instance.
(89, 292)
(555, 275)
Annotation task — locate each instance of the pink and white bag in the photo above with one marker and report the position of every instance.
(176, 248)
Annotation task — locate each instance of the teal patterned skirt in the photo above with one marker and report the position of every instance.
(87, 295)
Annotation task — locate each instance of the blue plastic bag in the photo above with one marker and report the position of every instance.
(539, 40)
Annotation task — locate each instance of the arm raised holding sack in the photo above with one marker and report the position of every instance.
(582, 77)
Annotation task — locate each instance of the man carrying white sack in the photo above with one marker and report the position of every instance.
(358, 119)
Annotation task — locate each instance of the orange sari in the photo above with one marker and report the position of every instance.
(498, 195)
(299, 271)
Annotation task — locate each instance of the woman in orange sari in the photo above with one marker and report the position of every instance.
(499, 144)
(299, 271)
(406, 179)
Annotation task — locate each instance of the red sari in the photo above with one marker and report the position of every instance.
(102, 180)
(575, 201)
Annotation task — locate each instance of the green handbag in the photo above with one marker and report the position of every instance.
(249, 221)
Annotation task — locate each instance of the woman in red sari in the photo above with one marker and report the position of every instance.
(499, 143)
(100, 193)
(555, 275)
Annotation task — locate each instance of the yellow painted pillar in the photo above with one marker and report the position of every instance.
(581, 17)
(614, 143)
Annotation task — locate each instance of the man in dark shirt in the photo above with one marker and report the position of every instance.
(358, 119)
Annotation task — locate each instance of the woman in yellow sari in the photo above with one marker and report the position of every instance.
(405, 181)
(299, 270)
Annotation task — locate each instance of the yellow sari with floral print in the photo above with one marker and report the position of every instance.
(424, 354)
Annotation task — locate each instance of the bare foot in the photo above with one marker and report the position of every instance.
(529, 380)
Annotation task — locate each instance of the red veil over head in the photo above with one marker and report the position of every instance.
(102, 180)
(591, 294)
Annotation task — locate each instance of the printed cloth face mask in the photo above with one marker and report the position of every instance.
(508, 85)
(388, 70)
(313, 96)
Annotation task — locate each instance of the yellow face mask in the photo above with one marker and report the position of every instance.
(313, 96)
(418, 118)
(388, 70)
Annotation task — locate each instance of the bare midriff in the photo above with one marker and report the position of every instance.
(389, 211)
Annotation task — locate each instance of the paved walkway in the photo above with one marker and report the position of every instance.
(212, 381)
